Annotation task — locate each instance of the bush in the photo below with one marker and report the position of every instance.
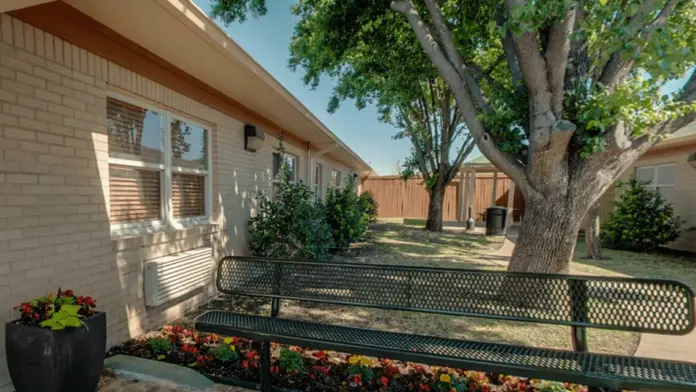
(370, 206)
(346, 215)
(291, 226)
(642, 219)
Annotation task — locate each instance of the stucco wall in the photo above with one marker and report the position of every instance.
(54, 225)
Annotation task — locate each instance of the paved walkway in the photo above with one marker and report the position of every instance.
(117, 384)
(679, 348)
(501, 256)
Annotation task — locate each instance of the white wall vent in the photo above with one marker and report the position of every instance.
(173, 276)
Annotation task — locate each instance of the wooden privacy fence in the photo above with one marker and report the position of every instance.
(409, 199)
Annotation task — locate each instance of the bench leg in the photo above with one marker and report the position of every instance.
(266, 366)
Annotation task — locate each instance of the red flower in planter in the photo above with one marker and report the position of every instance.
(320, 355)
(189, 349)
(424, 388)
(384, 380)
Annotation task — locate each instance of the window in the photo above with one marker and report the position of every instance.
(159, 166)
(660, 177)
(335, 178)
(317, 181)
(290, 165)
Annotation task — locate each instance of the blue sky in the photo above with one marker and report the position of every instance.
(267, 40)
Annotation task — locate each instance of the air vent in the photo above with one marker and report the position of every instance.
(170, 277)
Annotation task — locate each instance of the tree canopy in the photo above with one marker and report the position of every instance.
(562, 95)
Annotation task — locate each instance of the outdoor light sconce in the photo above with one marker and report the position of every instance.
(253, 138)
(692, 160)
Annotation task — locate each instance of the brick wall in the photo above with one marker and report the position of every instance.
(54, 227)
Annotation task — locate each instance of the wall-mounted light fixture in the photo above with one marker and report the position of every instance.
(692, 160)
(253, 138)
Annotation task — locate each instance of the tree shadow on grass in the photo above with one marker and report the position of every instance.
(637, 264)
(446, 326)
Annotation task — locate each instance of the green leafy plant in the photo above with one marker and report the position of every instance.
(642, 219)
(370, 206)
(290, 360)
(346, 215)
(160, 345)
(225, 353)
(56, 312)
(67, 316)
(292, 225)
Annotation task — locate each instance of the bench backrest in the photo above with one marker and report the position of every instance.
(643, 305)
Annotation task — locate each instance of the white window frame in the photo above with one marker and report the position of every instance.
(166, 169)
(654, 184)
(276, 180)
(318, 182)
(337, 182)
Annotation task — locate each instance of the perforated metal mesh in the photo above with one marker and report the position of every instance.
(524, 358)
(657, 306)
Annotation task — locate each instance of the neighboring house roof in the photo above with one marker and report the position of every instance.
(682, 137)
(180, 33)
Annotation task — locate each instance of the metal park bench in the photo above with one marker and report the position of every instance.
(580, 302)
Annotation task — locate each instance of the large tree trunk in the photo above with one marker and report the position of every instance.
(437, 199)
(592, 241)
(547, 237)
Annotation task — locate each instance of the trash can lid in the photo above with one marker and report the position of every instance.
(497, 208)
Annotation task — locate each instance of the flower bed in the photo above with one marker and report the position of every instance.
(230, 358)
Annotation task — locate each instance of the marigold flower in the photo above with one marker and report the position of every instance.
(445, 378)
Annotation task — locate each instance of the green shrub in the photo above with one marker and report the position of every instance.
(225, 353)
(642, 219)
(290, 360)
(160, 345)
(291, 226)
(346, 215)
(370, 206)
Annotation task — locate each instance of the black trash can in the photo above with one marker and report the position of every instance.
(495, 220)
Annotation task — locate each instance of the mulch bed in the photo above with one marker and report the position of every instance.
(295, 368)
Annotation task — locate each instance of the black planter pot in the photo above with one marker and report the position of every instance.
(43, 360)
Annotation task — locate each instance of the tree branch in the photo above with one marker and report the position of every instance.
(557, 59)
(420, 158)
(511, 57)
(467, 107)
(619, 65)
(463, 152)
(453, 54)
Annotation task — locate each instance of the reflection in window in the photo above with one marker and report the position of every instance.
(188, 145)
(135, 133)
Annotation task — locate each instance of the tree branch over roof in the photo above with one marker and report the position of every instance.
(506, 162)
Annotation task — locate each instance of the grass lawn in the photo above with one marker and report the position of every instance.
(639, 265)
(408, 244)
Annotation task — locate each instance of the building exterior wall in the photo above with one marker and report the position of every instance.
(54, 176)
(684, 200)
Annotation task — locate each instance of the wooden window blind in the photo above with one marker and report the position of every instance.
(188, 195)
(134, 194)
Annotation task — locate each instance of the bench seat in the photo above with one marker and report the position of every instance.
(617, 372)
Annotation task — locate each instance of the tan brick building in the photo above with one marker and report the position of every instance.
(670, 167)
(122, 141)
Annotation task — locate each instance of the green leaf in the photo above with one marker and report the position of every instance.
(161, 357)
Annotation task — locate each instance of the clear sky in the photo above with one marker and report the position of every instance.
(267, 40)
